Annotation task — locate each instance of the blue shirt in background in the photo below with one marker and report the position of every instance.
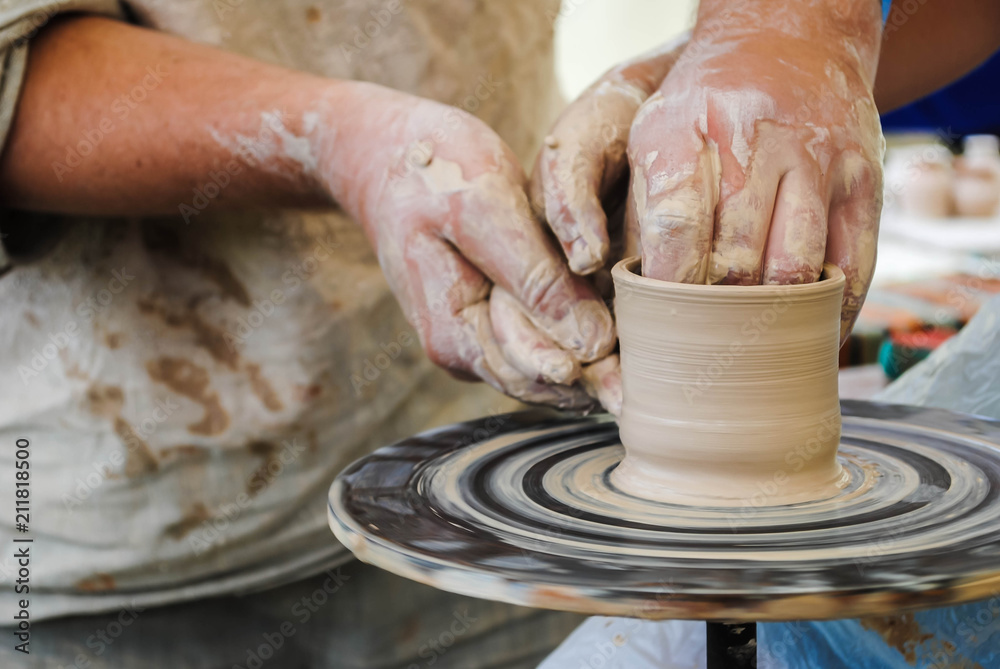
(969, 106)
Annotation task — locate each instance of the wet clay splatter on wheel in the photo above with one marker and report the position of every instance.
(529, 514)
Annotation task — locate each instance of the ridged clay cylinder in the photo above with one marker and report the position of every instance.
(729, 392)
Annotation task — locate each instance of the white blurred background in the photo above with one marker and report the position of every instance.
(594, 35)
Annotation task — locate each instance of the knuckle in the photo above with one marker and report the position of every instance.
(544, 285)
(670, 227)
(791, 272)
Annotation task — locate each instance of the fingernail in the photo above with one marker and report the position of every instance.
(584, 258)
(612, 401)
(602, 380)
(596, 328)
(557, 367)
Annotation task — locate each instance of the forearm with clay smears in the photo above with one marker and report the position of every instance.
(928, 45)
(448, 226)
(852, 27)
(118, 120)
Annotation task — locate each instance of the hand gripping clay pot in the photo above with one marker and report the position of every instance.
(729, 392)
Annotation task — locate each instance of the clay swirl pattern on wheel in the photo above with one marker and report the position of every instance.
(522, 508)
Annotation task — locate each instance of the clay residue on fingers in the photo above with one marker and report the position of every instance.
(602, 380)
(620, 88)
(733, 115)
(747, 201)
(571, 183)
(676, 212)
(853, 235)
(558, 303)
(493, 367)
(796, 243)
(529, 350)
(574, 317)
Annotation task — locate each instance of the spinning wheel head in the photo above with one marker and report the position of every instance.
(523, 508)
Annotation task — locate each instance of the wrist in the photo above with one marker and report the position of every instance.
(851, 27)
(344, 118)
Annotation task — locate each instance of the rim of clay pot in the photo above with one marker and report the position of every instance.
(831, 280)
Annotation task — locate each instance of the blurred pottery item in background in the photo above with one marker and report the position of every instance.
(728, 391)
(925, 181)
(977, 177)
(977, 192)
(903, 350)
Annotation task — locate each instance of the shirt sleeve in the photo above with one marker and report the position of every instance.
(20, 20)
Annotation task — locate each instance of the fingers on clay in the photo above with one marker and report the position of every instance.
(744, 221)
(569, 178)
(603, 381)
(796, 243)
(499, 236)
(502, 375)
(853, 233)
(441, 287)
(525, 347)
(675, 203)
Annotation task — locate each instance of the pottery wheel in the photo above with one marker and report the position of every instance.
(520, 508)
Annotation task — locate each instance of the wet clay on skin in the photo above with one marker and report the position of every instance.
(729, 392)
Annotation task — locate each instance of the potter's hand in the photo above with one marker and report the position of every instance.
(443, 201)
(583, 160)
(760, 155)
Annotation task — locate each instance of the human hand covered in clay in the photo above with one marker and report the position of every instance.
(581, 165)
(584, 161)
(443, 201)
(760, 155)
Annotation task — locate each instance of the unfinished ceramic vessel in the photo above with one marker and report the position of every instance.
(730, 392)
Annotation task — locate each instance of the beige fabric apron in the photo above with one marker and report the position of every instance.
(189, 392)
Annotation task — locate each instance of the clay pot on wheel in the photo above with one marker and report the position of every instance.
(730, 392)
